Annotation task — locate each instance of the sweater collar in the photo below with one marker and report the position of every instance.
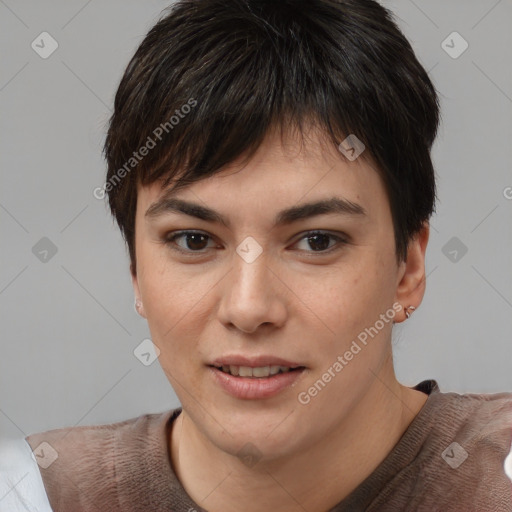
(163, 491)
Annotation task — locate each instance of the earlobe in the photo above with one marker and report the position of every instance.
(139, 306)
(411, 286)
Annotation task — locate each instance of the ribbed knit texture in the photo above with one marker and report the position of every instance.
(125, 467)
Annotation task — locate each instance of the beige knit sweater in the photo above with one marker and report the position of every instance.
(451, 458)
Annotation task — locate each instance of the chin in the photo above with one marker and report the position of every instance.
(270, 436)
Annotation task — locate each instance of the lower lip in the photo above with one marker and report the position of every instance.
(251, 388)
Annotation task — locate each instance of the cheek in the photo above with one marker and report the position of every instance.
(177, 302)
(172, 312)
(165, 290)
(171, 303)
(354, 297)
(166, 295)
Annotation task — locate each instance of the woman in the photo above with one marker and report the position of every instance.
(269, 167)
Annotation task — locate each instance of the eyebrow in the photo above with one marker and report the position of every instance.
(333, 205)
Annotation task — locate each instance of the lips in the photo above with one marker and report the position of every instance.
(256, 372)
(257, 377)
(256, 367)
(254, 362)
(255, 388)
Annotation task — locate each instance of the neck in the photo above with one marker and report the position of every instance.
(304, 481)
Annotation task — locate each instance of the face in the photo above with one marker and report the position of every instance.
(290, 259)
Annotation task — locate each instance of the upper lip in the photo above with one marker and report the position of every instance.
(253, 362)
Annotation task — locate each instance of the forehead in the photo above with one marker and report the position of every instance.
(283, 171)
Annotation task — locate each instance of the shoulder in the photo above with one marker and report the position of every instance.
(468, 448)
(81, 467)
(489, 425)
(94, 439)
(21, 486)
(483, 419)
(479, 421)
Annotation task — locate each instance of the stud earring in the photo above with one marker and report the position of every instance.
(138, 306)
(409, 310)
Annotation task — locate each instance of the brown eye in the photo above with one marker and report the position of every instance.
(189, 241)
(320, 242)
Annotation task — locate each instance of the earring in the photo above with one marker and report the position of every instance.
(138, 306)
(409, 310)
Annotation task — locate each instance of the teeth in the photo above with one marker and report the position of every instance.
(243, 371)
(274, 370)
(261, 371)
(264, 371)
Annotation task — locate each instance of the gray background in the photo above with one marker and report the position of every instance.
(69, 328)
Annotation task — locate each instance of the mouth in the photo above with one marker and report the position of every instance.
(255, 382)
(258, 372)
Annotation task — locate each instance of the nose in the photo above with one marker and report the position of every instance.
(252, 296)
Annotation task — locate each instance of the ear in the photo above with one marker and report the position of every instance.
(411, 276)
(139, 306)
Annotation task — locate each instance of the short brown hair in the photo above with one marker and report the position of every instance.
(212, 77)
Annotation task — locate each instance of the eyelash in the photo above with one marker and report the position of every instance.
(170, 239)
